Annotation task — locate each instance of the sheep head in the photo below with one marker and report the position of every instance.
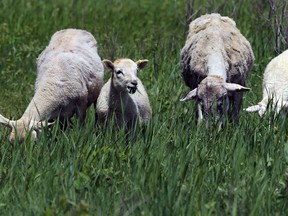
(212, 95)
(22, 128)
(124, 73)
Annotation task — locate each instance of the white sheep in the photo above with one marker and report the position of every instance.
(124, 95)
(69, 79)
(215, 62)
(275, 86)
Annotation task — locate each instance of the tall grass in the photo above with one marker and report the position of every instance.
(172, 167)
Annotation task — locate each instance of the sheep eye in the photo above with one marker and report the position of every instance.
(119, 72)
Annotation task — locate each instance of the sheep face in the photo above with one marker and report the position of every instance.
(124, 73)
(212, 95)
(21, 129)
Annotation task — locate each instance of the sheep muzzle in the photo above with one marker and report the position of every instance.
(132, 87)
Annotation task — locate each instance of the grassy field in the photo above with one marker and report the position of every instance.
(173, 168)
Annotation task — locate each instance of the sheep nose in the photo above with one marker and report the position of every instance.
(134, 82)
(11, 139)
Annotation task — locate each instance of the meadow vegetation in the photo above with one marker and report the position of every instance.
(170, 168)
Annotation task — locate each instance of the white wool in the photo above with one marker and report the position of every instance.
(216, 66)
(69, 79)
(215, 60)
(274, 87)
(115, 100)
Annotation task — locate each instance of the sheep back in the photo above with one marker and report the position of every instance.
(276, 78)
(69, 71)
(209, 34)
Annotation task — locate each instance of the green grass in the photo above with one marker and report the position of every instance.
(173, 168)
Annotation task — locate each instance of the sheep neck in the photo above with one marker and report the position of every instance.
(31, 113)
(216, 66)
(118, 99)
(39, 108)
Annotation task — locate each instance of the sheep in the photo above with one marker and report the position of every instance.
(69, 78)
(215, 63)
(274, 87)
(123, 95)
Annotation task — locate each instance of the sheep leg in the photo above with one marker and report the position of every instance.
(200, 114)
(81, 110)
(95, 114)
(64, 123)
(235, 106)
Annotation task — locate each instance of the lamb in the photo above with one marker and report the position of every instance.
(215, 63)
(274, 87)
(69, 79)
(123, 95)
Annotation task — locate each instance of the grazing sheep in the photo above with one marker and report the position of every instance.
(215, 62)
(275, 86)
(69, 79)
(124, 95)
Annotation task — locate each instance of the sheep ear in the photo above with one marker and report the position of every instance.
(254, 108)
(142, 63)
(236, 87)
(6, 122)
(108, 65)
(191, 95)
(41, 125)
(285, 104)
